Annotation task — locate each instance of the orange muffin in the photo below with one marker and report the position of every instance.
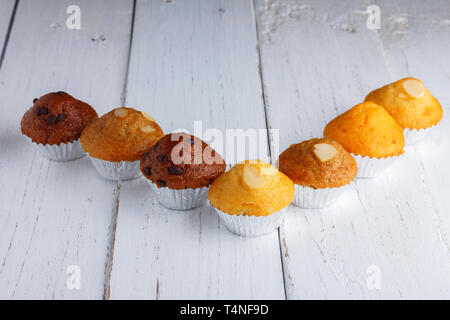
(369, 132)
(116, 142)
(320, 169)
(411, 104)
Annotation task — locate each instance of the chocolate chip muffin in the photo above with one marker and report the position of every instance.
(116, 141)
(54, 124)
(321, 170)
(180, 168)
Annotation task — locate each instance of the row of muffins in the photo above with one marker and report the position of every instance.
(250, 198)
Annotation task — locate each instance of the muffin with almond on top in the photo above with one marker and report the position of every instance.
(411, 104)
(116, 142)
(321, 170)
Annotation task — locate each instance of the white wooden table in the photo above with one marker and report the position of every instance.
(288, 65)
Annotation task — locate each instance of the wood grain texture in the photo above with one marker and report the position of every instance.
(192, 61)
(6, 10)
(54, 215)
(318, 60)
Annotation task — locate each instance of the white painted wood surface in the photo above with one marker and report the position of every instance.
(320, 61)
(200, 61)
(190, 61)
(54, 215)
(6, 9)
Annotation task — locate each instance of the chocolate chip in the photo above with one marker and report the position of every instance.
(177, 171)
(162, 158)
(60, 92)
(51, 120)
(34, 100)
(161, 183)
(41, 111)
(155, 146)
(147, 171)
(61, 117)
(144, 156)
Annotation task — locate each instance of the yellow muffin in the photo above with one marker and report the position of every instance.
(253, 188)
(123, 134)
(409, 102)
(367, 129)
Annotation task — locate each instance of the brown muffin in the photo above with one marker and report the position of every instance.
(56, 118)
(318, 163)
(122, 134)
(181, 161)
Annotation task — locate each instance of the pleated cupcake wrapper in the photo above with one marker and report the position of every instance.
(412, 136)
(251, 226)
(372, 167)
(184, 199)
(123, 170)
(310, 198)
(60, 152)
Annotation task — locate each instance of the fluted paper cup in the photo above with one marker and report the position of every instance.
(122, 170)
(310, 198)
(183, 199)
(412, 136)
(60, 152)
(251, 226)
(372, 167)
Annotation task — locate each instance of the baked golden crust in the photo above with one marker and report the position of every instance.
(180, 161)
(409, 102)
(123, 134)
(367, 129)
(301, 163)
(253, 188)
(56, 118)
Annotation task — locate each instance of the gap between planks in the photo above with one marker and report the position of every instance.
(8, 32)
(116, 198)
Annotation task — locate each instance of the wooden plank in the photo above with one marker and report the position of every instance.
(317, 61)
(54, 215)
(6, 11)
(192, 61)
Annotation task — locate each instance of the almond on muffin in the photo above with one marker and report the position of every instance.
(320, 169)
(54, 124)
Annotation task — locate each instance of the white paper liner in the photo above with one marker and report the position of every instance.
(412, 136)
(251, 226)
(184, 199)
(60, 152)
(372, 167)
(310, 198)
(123, 170)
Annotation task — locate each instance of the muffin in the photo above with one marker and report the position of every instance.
(370, 134)
(321, 170)
(251, 197)
(54, 124)
(180, 168)
(116, 142)
(412, 106)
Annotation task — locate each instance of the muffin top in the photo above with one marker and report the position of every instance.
(123, 134)
(367, 129)
(180, 161)
(253, 188)
(56, 118)
(409, 102)
(318, 163)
